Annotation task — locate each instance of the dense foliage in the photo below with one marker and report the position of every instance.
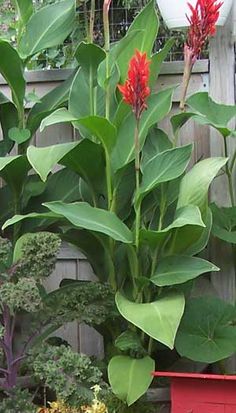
(124, 195)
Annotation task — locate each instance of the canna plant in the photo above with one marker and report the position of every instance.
(138, 214)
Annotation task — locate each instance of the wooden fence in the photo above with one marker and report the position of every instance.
(216, 75)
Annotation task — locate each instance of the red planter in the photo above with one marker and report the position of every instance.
(201, 393)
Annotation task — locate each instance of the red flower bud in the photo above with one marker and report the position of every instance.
(135, 90)
(202, 21)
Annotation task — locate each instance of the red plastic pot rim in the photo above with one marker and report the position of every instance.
(193, 375)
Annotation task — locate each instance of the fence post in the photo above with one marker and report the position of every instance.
(222, 89)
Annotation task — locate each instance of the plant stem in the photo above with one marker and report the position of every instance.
(229, 175)
(108, 180)
(186, 77)
(8, 348)
(106, 6)
(137, 178)
(91, 21)
(232, 162)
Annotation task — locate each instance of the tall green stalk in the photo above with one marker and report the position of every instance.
(137, 180)
(106, 6)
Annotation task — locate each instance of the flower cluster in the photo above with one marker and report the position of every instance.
(202, 21)
(58, 407)
(135, 90)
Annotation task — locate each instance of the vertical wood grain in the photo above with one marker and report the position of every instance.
(222, 89)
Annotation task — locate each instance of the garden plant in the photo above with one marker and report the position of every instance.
(125, 195)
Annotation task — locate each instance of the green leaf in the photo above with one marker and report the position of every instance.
(17, 253)
(43, 160)
(207, 333)
(8, 119)
(48, 103)
(87, 159)
(179, 120)
(195, 184)
(82, 215)
(189, 215)
(11, 68)
(164, 167)
(159, 319)
(142, 39)
(192, 239)
(19, 135)
(159, 105)
(80, 90)
(130, 378)
(48, 27)
(33, 215)
(100, 127)
(13, 169)
(224, 223)
(89, 56)
(95, 248)
(178, 269)
(24, 10)
(157, 60)
(61, 115)
(212, 113)
(157, 141)
(129, 341)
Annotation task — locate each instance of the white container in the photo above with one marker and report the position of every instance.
(174, 12)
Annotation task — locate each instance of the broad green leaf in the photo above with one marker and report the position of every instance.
(8, 119)
(130, 378)
(17, 253)
(48, 27)
(195, 184)
(82, 215)
(24, 10)
(192, 239)
(87, 159)
(179, 120)
(48, 103)
(14, 169)
(207, 332)
(212, 113)
(159, 105)
(19, 135)
(124, 186)
(62, 185)
(143, 40)
(159, 319)
(104, 130)
(3, 99)
(224, 223)
(178, 269)
(33, 215)
(11, 68)
(43, 160)
(98, 126)
(187, 216)
(80, 92)
(130, 341)
(164, 167)
(157, 141)
(61, 115)
(89, 56)
(95, 248)
(157, 60)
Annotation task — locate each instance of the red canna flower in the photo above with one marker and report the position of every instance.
(135, 90)
(202, 25)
